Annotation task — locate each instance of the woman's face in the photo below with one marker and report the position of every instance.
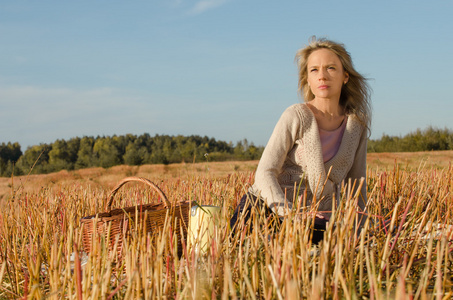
(326, 75)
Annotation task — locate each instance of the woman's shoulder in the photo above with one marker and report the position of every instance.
(301, 109)
(298, 106)
(353, 122)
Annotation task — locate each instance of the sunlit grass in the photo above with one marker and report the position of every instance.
(40, 236)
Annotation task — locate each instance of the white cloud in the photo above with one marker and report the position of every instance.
(32, 114)
(176, 3)
(58, 101)
(20, 59)
(204, 5)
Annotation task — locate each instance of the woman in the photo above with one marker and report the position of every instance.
(315, 145)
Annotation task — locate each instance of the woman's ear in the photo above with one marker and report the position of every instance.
(346, 77)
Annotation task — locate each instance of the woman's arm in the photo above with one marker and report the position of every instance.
(358, 170)
(285, 133)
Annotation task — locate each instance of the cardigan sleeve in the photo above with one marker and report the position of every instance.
(266, 185)
(358, 170)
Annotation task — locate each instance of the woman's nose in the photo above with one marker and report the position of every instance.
(322, 74)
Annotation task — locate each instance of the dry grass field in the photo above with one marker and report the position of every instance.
(41, 237)
(411, 160)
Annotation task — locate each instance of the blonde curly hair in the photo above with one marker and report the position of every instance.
(355, 95)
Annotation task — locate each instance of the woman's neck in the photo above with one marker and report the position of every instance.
(327, 107)
(329, 115)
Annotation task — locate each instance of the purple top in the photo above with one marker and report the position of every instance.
(331, 140)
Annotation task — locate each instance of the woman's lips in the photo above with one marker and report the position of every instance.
(323, 87)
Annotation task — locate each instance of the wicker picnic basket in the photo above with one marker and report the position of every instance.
(116, 224)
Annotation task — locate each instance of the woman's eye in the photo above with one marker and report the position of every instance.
(313, 70)
(331, 68)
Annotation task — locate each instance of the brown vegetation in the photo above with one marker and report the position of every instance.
(108, 177)
(40, 234)
(411, 160)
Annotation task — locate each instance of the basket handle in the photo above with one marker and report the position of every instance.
(140, 179)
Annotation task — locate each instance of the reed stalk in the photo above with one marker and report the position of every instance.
(403, 251)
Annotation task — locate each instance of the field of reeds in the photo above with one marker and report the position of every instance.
(41, 253)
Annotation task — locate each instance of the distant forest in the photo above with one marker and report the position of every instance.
(87, 152)
(429, 139)
(105, 152)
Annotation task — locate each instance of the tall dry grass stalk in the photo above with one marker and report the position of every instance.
(411, 258)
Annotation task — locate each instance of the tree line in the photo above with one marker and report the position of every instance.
(429, 139)
(105, 152)
(87, 152)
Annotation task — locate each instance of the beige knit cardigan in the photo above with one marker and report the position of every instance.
(292, 162)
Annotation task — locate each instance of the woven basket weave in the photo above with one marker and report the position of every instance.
(117, 223)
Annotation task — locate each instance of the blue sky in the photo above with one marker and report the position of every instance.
(220, 68)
